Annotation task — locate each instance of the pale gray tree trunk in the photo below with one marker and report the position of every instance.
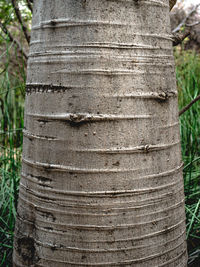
(101, 182)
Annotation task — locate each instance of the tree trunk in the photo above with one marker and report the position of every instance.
(101, 181)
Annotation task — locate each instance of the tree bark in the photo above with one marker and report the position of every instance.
(101, 181)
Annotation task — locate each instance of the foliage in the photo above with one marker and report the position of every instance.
(7, 14)
(12, 38)
(12, 80)
(11, 114)
(188, 81)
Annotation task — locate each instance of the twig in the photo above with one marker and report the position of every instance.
(179, 38)
(19, 17)
(193, 24)
(2, 105)
(189, 105)
(29, 5)
(183, 22)
(12, 39)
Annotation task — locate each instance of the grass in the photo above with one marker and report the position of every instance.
(11, 112)
(11, 124)
(188, 81)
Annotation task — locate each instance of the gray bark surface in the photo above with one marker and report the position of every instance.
(101, 181)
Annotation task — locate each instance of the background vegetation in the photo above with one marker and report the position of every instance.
(188, 81)
(12, 93)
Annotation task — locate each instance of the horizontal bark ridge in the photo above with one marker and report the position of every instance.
(101, 181)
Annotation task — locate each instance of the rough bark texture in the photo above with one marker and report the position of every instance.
(101, 182)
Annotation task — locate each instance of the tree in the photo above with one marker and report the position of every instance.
(102, 179)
